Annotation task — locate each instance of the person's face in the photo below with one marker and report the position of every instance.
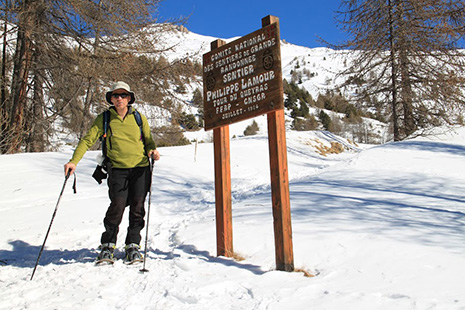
(120, 99)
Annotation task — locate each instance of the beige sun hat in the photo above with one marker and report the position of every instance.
(120, 85)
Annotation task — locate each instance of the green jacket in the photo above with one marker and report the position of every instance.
(125, 148)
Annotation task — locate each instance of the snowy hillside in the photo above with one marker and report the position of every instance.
(324, 62)
(317, 68)
(380, 228)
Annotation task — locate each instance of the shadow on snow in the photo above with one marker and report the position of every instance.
(24, 255)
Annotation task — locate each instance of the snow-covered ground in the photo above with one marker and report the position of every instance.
(380, 228)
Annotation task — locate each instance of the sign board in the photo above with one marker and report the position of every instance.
(243, 78)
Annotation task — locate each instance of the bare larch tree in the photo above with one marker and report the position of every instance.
(58, 54)
(407, 58)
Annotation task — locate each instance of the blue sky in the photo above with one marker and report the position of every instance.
(301, 21)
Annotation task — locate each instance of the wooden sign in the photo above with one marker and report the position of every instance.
(243, 79)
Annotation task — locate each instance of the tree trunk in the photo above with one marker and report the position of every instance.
(392, 51)
(36, 141)
(409, 125)
(3, 94)
(22, 63)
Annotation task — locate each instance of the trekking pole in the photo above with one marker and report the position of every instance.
(148, 213)
(50, 226)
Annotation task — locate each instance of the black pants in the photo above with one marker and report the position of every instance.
(126, 187)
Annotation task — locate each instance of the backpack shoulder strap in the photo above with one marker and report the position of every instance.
(106, 120)
(138, 118)
(139, 123)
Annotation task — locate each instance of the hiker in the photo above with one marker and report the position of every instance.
(126, 147)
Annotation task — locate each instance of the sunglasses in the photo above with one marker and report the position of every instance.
(124, 95)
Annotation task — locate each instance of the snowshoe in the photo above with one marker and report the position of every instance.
(106, 254)
(132, 254)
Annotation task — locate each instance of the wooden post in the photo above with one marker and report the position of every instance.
(224, 243)
(279, 183)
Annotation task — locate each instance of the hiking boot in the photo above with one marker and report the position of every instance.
(106, 251)
(132, 253)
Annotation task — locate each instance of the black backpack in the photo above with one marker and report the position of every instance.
(100, 172)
